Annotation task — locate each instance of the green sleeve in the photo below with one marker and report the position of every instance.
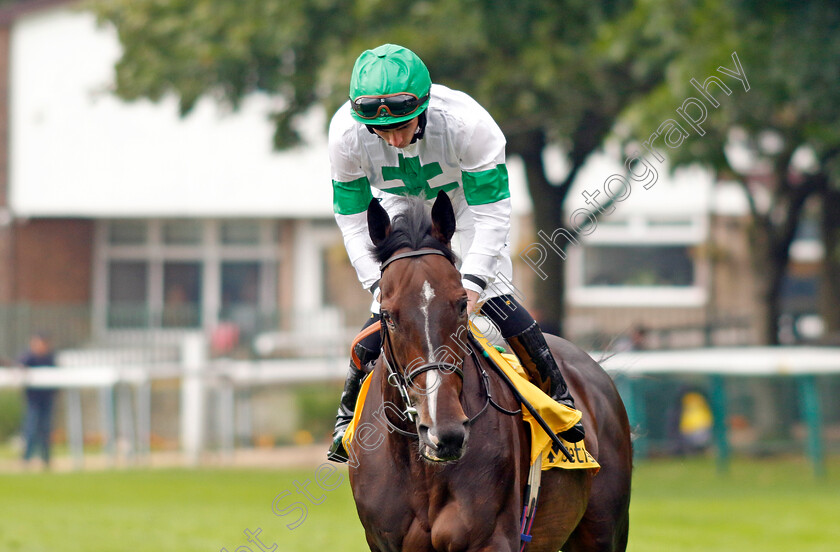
(488, 186)
(351, 197)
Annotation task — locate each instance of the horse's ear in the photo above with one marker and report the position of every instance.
(443, 218)
(379, 223)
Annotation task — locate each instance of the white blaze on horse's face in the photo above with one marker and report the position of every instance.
(432, 384)
(432, 378)
(427, 295)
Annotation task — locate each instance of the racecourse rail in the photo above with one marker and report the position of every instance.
(197, 373)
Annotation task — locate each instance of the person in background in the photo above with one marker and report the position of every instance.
(37, 422)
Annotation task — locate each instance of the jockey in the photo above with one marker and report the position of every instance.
(402, 135)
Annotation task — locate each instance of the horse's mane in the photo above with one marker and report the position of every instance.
(411, 228)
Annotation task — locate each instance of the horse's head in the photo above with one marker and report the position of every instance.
(424, 317)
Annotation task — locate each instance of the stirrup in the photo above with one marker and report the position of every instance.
(337, 452)
(573, 434)
(576, 432)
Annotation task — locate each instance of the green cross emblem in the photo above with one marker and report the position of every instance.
(415, 177)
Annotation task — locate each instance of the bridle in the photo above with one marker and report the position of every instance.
(402, 379)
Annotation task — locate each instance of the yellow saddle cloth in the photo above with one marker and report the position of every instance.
(558, 417)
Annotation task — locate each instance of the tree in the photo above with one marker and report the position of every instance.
(787, 129)
(830, 285)
(548, 72)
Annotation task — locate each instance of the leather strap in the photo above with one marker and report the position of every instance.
(407, 254)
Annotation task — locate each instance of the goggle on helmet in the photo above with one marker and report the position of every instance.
(389, 85)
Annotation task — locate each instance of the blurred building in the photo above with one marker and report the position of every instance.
(141, 220)
(670, 264)
(123, 220)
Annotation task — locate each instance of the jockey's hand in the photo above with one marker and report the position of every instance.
(472, 299)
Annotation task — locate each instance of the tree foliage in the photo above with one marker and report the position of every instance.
(781, 141)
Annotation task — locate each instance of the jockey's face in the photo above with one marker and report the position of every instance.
(400, 136)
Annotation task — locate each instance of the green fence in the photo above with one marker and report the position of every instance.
(751, 415)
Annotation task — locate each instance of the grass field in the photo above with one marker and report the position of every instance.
(772, 506)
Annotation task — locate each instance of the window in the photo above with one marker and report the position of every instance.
(645, 266)
(127, 232)
(182, 232)
(185, 274)
(181, 295)
(127, 294)
(240, 295)
(652, 262)
(240, 232)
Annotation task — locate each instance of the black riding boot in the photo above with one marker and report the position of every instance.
(533, 352)
(347, 405)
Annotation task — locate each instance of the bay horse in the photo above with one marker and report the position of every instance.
(435, 469)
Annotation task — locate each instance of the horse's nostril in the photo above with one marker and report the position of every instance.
(443, 443)
(428, 434)
(453, 439)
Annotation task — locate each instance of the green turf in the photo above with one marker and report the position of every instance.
(759, 505)
(677, 506)
(171, 510)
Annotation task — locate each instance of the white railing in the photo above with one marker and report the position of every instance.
(124, 391)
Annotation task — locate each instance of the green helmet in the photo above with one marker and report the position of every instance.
(387, 73)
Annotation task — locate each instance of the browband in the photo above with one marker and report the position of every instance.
(416, 253)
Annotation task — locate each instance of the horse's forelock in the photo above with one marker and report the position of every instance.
(411, 228)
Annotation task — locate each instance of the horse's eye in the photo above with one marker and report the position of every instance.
(386, 316)
(462, 306)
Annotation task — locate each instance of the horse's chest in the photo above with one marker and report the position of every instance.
(428, 521)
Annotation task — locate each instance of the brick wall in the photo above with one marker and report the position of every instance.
(53, 261)
(6, 234)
